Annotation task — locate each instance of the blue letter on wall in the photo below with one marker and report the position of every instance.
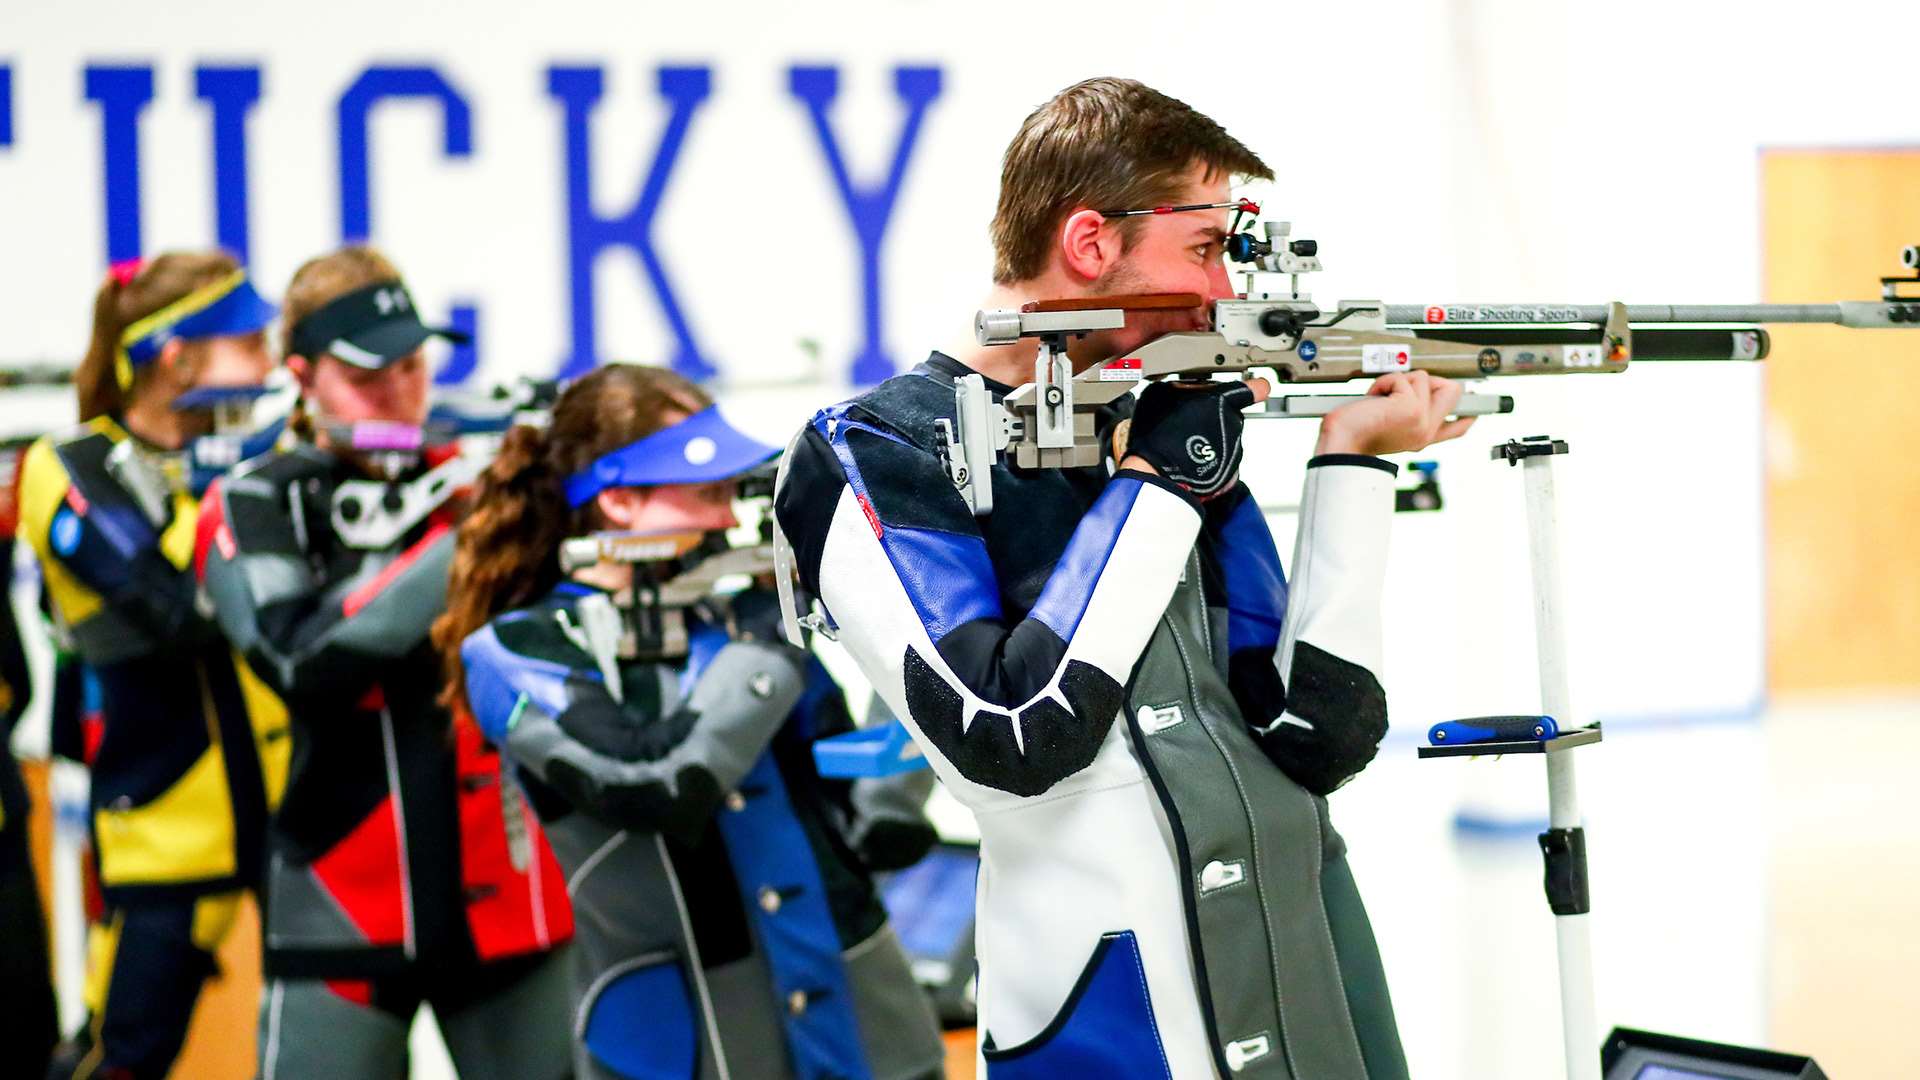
(123, 93)
(378, 84)
(232, 92)
(871, 208)
(589, 234)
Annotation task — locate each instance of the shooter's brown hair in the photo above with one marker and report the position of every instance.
(1102, 144)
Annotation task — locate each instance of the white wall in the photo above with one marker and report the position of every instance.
(1490, 150)
(1470, 151)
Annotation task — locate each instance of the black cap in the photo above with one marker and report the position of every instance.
(368, 328)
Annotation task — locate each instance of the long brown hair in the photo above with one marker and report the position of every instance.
(507, 553)
(320, 281)
(125, 299)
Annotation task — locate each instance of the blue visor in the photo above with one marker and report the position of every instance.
(700, 449)
(227, 308)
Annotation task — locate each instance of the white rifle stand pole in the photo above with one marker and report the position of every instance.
(1564, 843)
(1551, 735)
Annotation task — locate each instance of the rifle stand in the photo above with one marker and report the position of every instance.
(1563, 846)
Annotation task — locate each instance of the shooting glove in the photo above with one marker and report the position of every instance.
(1190, 431)
(889, 829)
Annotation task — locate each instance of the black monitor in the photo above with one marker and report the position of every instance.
(1645, 1055)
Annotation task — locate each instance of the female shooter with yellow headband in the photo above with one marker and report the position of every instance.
(193, 745)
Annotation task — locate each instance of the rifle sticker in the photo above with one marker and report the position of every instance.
(1126, 369)
(1509, 313)
(1308, 350)
(1384, 359)
(1489, 361)
(1585, 356)
(1528, 359)
(1746, 345)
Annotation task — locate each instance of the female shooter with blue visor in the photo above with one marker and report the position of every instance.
(728, 925)
(193, 748)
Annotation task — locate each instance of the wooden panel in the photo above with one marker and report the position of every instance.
(1843, 507)
(1131, 302)
(1843, 489)
(220, 1044)
(40, 835)
(960, 1054)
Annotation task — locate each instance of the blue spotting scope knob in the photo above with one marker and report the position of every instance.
(1482, 729)
(882, 750)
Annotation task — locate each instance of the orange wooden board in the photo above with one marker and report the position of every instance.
(1843, 514)
(1843, 407)
(960, 1057)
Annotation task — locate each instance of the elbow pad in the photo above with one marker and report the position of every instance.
(1336, 716)
(680, 771)
(629, 795)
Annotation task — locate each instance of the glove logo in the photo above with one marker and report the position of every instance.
(1202, 453)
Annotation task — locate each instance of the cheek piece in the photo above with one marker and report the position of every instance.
(392, 448)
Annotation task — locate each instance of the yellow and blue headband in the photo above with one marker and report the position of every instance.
(225, 308)
(697, 450)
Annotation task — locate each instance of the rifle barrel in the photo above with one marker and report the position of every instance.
(35, 376)
(1656, 343)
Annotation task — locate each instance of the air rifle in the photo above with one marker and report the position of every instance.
(1275, 329)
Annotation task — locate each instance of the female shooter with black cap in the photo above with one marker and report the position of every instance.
(178, 796)
(400, 870)
(728, 927)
